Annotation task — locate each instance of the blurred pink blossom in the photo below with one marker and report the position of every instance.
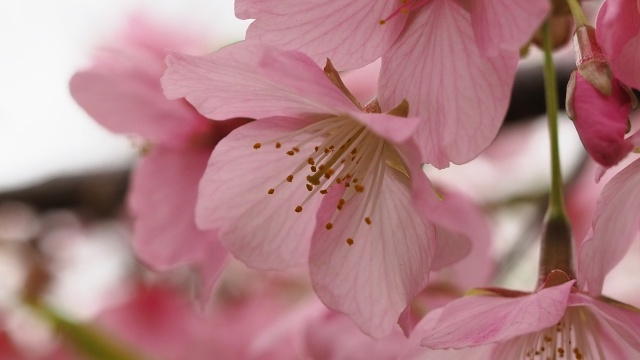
(122, 92)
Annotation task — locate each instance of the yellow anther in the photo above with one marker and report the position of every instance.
(290, 178)
(298, 209)
(329, 226)
(367, 220)
(271, 191)
(257, 145)
(349, 241)
(359, 188)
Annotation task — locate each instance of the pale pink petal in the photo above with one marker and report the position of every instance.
(601, 121)
(615, 225)
(373, 279)
(414, 351)
(623, 319)
(347, 32)
(478, 320)
(260, 229)
(333, 336)
(164, 191)
(394, 129)
(123, 94)
(506, 24)
(278, 83)
(457, 239)
(618, 34)
(461, 95)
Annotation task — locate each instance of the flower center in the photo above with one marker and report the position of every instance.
(406, 7)
(347, 154)
(572, 338)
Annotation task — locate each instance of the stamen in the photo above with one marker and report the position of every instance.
(298, 209)
(271, 191)
(257, 146)
(349, 241)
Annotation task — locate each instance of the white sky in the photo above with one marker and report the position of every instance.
(43, 133)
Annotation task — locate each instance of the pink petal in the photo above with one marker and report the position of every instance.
(122, 92)
(414, 351)
(457, 239)
(333, 336)
(260, 229)
(615, 226)
(478, 320)
(163, 191)
(373, 279)
(394, 129)
(279, 83)
(465, 96)
(506, 24)
(347, 32)
(601, 121)
(625, 321)
(618, 33)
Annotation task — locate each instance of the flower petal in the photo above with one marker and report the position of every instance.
(478, 320)
(601, 121)
(624, 319)
(278, 83)
(122, 92)
(163, 191)
(461, 95)
(618, 34)
(260, 229)
(347, 32)
(395, 129)
(506, 24)
(373, 278)
(615, 225)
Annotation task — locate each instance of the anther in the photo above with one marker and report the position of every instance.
(314, 169)
(278, 145)
(298, 209)
(290, 153)
(290, 178)
(271, 191)
(296, 149)
(367, 220)
(323, 192)
(310, 161)
(359, 188)
(329, 226)
(349, 241)
(309, 187)
(257, 145)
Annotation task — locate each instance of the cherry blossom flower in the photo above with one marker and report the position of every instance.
(557, 321)
(122, 92)
(618, 33)
(598, 103)
(454, 61)
(317, 179)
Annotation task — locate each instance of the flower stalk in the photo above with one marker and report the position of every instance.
(556, 251)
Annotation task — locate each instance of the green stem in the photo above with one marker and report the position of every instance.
(577, 13)
(556, 249)
(556, 203)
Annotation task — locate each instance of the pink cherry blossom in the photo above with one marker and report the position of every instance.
(318, 179)
(618, 33)
(453, 61)
(597, 102)
(601, 120)
(554, 322)
(122, 92)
